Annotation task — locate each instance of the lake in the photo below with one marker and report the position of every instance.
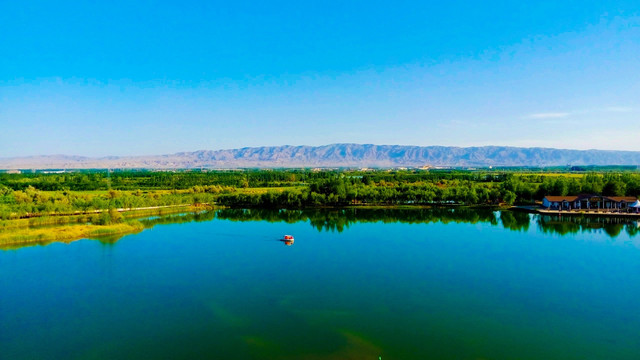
(443, 283)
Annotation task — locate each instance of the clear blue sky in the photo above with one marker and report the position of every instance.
(153, 77)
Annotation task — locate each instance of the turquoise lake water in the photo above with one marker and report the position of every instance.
(355, 284)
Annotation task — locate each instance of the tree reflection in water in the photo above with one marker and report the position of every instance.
(340, 219)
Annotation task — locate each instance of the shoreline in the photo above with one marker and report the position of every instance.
(44, 230)
(66, 233)
(71, 218)
(100, 211)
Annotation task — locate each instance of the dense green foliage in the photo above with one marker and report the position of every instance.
(534, 187)
(31, 201)
(40, 193)
(438, 188)
(152, 180)
(341, 191)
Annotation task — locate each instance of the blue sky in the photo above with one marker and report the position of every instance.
(136, 78)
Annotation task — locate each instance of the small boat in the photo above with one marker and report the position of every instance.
(287, 240)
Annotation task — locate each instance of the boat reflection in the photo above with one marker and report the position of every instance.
(287, 242)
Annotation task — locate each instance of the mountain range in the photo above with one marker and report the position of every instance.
(336, 155)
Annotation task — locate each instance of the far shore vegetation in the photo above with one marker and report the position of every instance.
(103, 203)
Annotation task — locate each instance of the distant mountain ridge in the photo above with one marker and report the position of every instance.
(336, 155)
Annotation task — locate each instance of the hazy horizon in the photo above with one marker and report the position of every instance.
(314, 146)
(132, 79)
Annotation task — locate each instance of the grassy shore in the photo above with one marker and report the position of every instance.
(67, 228)
(68, 233)
(61, 219)
(46, 229)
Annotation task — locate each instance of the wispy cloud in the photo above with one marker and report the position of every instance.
(622, 109)
(560, 115)
(549, 115)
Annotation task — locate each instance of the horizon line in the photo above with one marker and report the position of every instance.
(312, 146)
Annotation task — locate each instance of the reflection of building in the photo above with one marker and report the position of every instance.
(588, 202)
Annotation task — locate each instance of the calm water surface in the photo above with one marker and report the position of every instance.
(410, 284)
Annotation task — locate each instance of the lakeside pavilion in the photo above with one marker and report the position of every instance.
(588, 202)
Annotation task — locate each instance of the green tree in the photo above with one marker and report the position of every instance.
(509, 197)
(613, 188)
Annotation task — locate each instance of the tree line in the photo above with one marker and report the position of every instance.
(22, 194)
